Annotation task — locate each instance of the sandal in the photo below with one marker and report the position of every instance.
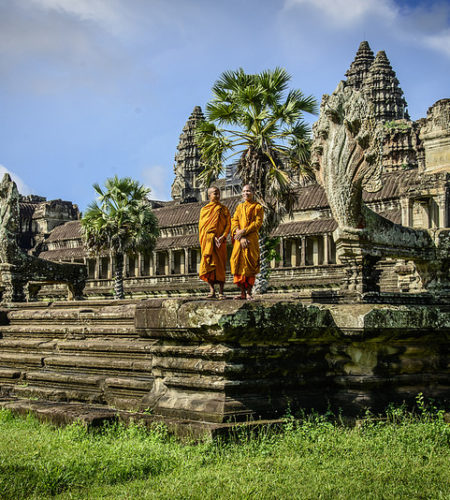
(211, 296)
(239, 297)
(221, 296)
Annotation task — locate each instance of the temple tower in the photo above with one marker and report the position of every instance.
(382, 88)
(360, 66)
(186, 186)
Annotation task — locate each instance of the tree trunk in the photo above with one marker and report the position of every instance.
(262, 279)
(118, 277)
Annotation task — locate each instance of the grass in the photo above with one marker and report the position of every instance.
(403, 456)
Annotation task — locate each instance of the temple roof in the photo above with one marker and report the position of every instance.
(68, 231)
(360, 66)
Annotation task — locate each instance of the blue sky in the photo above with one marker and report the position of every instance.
(93, 88)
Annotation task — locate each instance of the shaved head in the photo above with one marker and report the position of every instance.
(214, 194)
(213, 188)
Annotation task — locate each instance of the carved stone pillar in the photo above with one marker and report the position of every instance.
(198, 256)
(315, 242)
(153, 264)
(13, 283)
(186, 260)
(182, 262)
(361, 275)
(405, 204)
(169, 262)
(110, 267)
(442, 210)
(139, 264)
(293, 253)
(303, 251)
(326, 249)
(282, 252)
(97, 268)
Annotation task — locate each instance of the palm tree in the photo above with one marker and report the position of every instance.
(262, 123)
(121, 222)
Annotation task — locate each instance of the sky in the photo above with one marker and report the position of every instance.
(94, 88)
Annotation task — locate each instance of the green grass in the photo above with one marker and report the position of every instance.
(405, 456)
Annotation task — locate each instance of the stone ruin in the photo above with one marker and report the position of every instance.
(22, 275)
(347, 156)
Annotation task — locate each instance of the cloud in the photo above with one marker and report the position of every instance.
(424, 24)
(156, 179)
(343, 13)
(21, 186)
(106, 13)
(439, 41)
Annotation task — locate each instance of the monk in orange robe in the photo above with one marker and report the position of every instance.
(245, 225)
(213, 228)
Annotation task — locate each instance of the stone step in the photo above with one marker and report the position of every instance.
(73, 313)
(125, 392)
(100, 363)
(119, 347)
(89, 395)
(66, 330)
(95, 415)
(9, 374)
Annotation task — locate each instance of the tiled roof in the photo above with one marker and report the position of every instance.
(316, 226)
(64, 253)
(188, 240)
(394, 184)
(312, 196)
(188, 213)
(394, 215)
(68, 231)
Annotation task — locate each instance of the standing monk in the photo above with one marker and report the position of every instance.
(213, 228)
(245, 226)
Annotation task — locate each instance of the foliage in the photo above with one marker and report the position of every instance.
(271, 248)
(401, 126)
(262, 123)
(121, 221)
(403, 455)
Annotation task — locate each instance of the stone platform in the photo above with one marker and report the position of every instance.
(213, 363)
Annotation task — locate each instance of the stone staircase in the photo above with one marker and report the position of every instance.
(85, 351)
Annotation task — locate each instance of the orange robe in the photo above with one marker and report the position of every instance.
(245, 261)
(214, 222)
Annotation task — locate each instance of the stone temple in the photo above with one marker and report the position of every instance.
(415, 193)
(359, 315)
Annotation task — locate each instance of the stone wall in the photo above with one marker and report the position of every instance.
(225, 361)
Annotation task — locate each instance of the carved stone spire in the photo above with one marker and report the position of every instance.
(186, 186)
(360, 66)
(382, 88)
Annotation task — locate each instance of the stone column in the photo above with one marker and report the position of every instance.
(186, 260)
(293, 253)
(126, 266)
(153, 264)
(315, 242)
(443, 210)
(282, 252)
(97, 268)
(140, 264)
(198, 256)
(303, 251)
(182, 262)
(169, 262)
(110, 267)
(326, 249)
(405, 205)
